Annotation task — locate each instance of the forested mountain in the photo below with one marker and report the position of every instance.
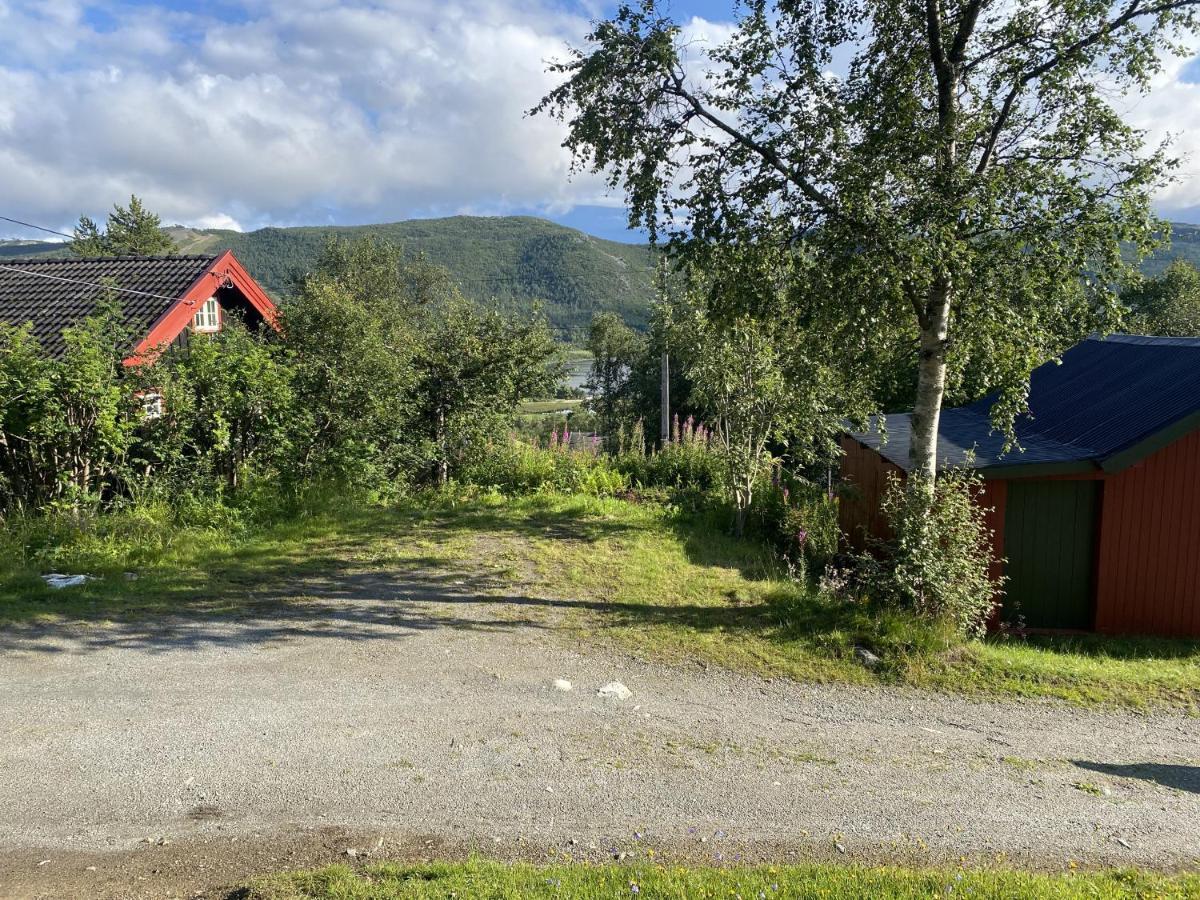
(518, 260)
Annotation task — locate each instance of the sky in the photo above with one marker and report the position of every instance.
(247, 113)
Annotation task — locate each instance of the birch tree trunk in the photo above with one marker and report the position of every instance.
(931, 383)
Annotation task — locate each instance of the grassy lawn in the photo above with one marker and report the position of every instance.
(639, 576)
(540, 407)
(494, 880)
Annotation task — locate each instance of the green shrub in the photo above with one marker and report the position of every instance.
(938, 559)
(513, 467)
(798, 518)
(687, 462)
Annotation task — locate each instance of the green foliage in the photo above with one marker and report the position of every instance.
(614, 347)
(489, 880)
(685, 465)
(384, 377)
(351, 337)
(66, 425)
(800, 519)
(130, 231)
(514, 468)
(938, 559)
(227, 410)
(761, 374)
(963, 191)
(1167, 304)
(474, 367)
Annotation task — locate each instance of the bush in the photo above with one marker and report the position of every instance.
(514, 467)
(687, 462)
(799, 519)
(938, 559)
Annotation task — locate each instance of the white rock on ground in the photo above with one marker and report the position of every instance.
(562, 684)
(614, 690)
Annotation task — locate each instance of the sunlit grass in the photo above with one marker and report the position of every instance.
(479, 879)
(656, 581)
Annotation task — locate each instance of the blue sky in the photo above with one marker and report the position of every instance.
(245, 113)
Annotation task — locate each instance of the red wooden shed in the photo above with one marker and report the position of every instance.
(1096, 518)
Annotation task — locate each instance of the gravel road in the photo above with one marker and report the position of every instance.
(409, 712)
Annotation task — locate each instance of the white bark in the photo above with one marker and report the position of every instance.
(931, 383)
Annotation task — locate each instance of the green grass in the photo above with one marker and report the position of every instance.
(479, 879)
(537, 407)
(209, 568)
(647, 578)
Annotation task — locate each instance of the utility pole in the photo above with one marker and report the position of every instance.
(666, 397)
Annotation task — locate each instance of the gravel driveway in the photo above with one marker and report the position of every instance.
(386, 714)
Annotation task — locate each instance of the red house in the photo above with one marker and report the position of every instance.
(1096, 519)
(164, 299)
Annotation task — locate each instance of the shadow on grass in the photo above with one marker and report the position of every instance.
(339, 579)
(337, 576)
(1177, 777)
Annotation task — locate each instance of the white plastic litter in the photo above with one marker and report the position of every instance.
(58, 581)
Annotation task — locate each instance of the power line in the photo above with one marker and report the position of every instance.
(103, 287)
(37, 227)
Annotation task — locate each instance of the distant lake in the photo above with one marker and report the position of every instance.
(578, 371)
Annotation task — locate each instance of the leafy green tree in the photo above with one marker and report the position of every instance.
(350, 334)
(66, 425)
(227, 409)
(615, 348)
(130, 231)
(965, 183)
(1168, 304)
(475, 366)
(760, 373)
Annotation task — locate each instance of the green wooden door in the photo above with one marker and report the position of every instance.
(1049, 530)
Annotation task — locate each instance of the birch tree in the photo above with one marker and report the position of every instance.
(960, 167)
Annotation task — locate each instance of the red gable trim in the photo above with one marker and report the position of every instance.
(225, 269)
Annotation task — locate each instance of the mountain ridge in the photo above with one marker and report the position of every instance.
(519, 261)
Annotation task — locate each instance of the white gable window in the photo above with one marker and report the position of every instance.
(208, 317)
(152, 404)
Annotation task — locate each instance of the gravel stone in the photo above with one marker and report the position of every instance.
(614, 690)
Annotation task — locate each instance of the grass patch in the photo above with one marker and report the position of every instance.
(478, 879)
(654, 579)
(1018, 762)
(540, 407)
(215, 564)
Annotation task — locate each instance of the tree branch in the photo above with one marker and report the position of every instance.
(1132, 11)
(768, 155)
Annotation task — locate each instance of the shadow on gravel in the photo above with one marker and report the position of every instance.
(1177, 777)
(362, 606)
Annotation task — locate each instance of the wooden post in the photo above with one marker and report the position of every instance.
(666, 398)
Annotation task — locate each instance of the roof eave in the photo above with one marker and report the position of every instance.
(1135, 453)
(224, 267)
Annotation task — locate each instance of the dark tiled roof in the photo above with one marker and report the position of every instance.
(54, 294)
(1107, 396)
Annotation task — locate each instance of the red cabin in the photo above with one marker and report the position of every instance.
(164, 299)
(1096, 518)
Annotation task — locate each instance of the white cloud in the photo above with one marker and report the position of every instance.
(309, 111)
(1171, 111)
(305, 110)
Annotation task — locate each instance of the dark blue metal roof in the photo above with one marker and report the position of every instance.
(1106, 399)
